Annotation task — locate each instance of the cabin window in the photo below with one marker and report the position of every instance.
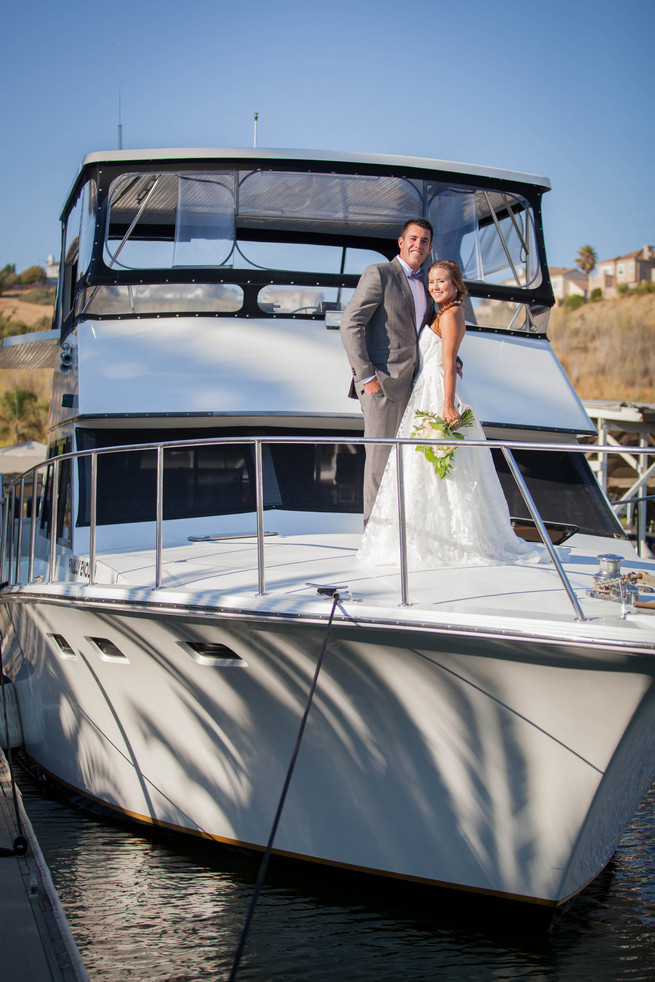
(564, 490)
(164, 221)
(77, 247)
(64, 497)
(489, 233)
(129, 300)
(281, 298)
(223, 242)
(505, 315)
(217, 479)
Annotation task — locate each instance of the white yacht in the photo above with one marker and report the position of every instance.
(191, 558)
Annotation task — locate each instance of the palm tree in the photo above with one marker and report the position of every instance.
(586, 259)
(20, 409)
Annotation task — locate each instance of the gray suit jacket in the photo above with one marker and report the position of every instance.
(379, 331)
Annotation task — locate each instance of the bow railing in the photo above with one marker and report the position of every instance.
(22, 563)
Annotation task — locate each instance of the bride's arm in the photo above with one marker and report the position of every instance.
(452, 327)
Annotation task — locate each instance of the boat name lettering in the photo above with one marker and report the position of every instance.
(78, 567)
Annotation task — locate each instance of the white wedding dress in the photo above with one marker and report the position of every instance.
(462, 520)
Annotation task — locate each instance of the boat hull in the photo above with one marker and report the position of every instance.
(503, 765)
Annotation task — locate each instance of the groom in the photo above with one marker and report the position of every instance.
(379, 330)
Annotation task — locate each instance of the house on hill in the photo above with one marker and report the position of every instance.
(627, 270)
(567, 282)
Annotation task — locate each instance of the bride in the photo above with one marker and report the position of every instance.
(463, 518)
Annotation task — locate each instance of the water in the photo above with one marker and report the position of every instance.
(153, 907)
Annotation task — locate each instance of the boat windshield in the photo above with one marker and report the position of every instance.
(272, 242)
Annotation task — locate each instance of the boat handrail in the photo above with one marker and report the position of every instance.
(13, 499)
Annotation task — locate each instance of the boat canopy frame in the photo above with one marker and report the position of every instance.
(130, 201)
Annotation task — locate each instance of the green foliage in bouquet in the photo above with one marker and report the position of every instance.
(431, 426)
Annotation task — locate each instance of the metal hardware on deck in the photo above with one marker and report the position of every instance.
(328, 590)
(610, 584)
(527, 497)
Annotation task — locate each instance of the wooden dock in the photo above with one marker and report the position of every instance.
(36, 944)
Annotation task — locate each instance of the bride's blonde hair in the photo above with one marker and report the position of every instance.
(455, 274)
(458, 282)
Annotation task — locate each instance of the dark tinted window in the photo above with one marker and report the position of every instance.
(214, 480)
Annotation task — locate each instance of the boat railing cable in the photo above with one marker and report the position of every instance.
(326, 591)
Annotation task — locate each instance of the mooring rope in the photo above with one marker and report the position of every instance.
(325, 591)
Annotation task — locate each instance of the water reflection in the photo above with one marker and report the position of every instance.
(164, 908)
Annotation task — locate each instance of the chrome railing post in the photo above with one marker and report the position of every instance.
(259, 502)
(12, 533)
(19, 534)
(402, 530)
(93, 518)
(54, 502)
(159, 522)
(35, 485)
(5, 532)
(527, 497)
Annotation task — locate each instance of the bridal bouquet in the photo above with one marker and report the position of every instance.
(431, 426)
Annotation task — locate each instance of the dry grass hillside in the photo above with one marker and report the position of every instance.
(608, 348)
(33, 316)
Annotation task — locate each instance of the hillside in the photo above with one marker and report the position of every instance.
(608, 348)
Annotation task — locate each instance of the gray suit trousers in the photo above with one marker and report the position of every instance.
(381, 419)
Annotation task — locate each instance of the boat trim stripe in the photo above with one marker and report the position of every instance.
(347, 620)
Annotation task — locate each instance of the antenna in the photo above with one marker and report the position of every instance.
(120, 125)
(254, 142)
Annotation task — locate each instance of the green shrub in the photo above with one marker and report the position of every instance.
(574, 302)
(596, 295)
(623, 290)
(646, 286)
(34, 274)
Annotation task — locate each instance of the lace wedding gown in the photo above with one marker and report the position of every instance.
(460, 520)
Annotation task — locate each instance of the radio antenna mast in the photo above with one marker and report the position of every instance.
(120, 125)
(254, 142)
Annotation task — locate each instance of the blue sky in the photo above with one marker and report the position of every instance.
(560, 89)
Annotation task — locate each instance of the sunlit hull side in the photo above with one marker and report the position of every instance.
(505, 765)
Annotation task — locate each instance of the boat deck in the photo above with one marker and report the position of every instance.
(527, 598)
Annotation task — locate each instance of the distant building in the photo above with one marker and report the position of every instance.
(627, 270)
(567, 282)
(52, 270)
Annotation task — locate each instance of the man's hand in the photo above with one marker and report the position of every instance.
(372, 387)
